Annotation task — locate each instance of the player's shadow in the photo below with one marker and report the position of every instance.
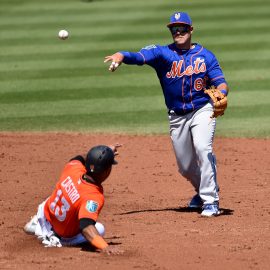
(223, 211)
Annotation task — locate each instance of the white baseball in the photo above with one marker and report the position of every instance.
(63, 34)
(100, 228)
(113, 66)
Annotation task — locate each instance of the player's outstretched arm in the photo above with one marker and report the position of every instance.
(91, 234)
(115, 59)
(82, 157)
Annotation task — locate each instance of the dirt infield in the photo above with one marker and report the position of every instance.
(145, 209)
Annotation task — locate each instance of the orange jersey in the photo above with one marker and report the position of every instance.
(73, 199)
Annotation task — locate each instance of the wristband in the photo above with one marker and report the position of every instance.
(224, 92)
(99, 242)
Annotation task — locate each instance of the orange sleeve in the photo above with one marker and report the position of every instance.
(90, 208)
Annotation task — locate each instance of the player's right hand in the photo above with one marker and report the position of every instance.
(112, 250)
(114, 147)
(116, 60)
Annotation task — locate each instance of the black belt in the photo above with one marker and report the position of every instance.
(177, 112)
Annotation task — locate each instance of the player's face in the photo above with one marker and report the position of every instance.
(181, 34)
(105, 174)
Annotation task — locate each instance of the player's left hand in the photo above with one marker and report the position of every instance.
(116, 60)
(112, 250)
(219, 100)
(114, 147)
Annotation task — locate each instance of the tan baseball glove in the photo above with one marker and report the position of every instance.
(219, 100)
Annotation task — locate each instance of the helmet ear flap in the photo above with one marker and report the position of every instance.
(91, 167)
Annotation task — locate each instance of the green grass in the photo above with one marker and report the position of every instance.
(47, 84)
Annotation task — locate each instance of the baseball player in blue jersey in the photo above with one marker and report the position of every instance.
(185, 70)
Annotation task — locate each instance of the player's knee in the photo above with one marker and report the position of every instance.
(100, 228)
(202, 150)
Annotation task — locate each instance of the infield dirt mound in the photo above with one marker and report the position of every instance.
(145, 205)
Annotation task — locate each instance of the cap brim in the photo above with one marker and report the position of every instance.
(175, 23)
(115, 162)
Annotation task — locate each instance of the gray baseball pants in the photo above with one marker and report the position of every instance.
(192, 138)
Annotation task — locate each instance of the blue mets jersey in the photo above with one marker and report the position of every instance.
(183, 74)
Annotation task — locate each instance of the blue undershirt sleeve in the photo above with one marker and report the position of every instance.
(148, 55)
(132, 58)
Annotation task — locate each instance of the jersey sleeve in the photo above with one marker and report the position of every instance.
(215, 73)
(90, 208)
(147, 55)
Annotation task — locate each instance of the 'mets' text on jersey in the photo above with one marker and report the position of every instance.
(183, 74)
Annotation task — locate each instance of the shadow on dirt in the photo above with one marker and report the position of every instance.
(89, 248)
(223, 211)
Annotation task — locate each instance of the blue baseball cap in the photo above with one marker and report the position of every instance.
(179, 17)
